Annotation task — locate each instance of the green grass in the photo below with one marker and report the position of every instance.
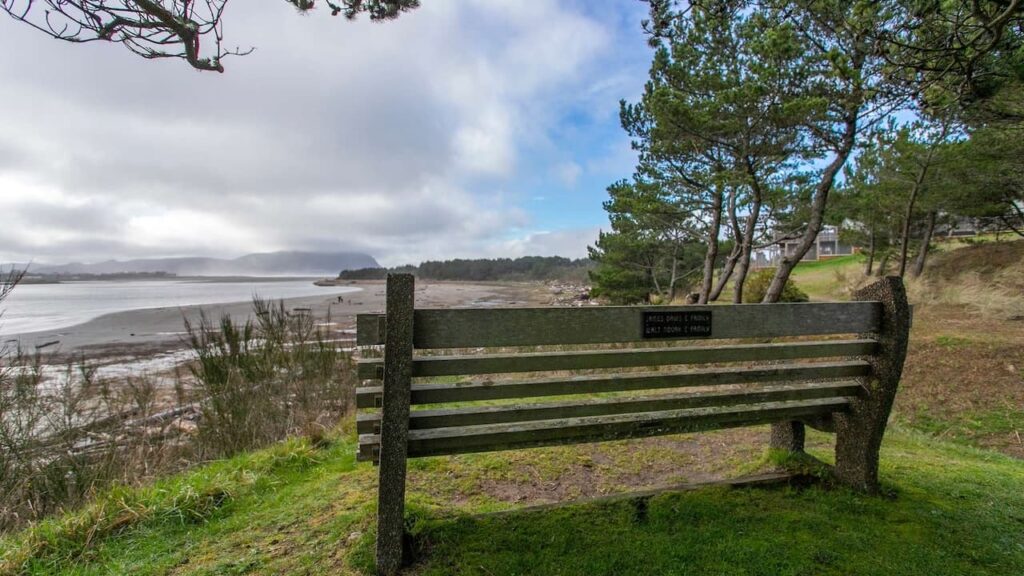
(837, 262)
(954, 511)
(294, 509)
(821, 279)
(969, 427)
(128, 531)
(949, 341)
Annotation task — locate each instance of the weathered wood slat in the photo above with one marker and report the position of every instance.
(369, 329)
(462, 328)
(492, 437)
(427, 366)
(369, 396)
(478, 415)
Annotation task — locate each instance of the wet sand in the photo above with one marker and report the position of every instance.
(157, 330)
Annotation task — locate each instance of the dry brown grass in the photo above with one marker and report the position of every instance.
(964, 377)
(993, 294)
(985, 259)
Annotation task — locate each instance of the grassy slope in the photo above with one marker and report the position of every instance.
(956, 511)
(964, 376)
(294, 510)
(822, 280)
(297, 510)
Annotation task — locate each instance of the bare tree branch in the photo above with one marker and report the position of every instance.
(191, 30)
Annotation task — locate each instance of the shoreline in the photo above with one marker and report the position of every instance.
(160, 330)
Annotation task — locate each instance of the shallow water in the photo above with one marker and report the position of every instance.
(37, 307)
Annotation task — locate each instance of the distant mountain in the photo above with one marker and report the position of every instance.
(267, 264)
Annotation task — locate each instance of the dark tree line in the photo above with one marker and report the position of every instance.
(527, 268)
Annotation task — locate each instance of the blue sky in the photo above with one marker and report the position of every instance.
(466, 128)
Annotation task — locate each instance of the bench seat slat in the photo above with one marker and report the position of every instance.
(369, 396)
(427, 366)
(477, 415)
(492, 437)
(465, 328)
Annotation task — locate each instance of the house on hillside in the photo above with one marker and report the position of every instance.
(826, 245)
(957, 227)
(829, 245)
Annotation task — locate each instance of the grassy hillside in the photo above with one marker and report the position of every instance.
(986, 259)
(952, 466)
(964, 376)
(294, 509)
(952, 265)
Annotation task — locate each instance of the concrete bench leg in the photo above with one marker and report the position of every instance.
(859, 432)
(788, 436)
(394, 429)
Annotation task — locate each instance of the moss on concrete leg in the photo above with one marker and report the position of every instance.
(859, 432)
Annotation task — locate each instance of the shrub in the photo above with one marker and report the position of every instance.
(64, 434)
(757, 285)
(264, 380)
(67, 434)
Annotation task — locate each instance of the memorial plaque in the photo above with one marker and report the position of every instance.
(678, 324)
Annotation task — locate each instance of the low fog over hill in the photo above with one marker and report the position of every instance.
(267, 264)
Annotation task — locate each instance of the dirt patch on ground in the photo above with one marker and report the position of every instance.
(950, 376)
(558, 474)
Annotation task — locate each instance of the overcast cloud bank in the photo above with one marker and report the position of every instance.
(466, 128)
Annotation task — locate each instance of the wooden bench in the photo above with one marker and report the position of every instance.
(842, 380)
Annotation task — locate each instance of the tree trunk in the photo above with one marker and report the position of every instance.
(1020, 216)
(1014, 229)
(672, 280)
(905, 233)
(817, 217)
(749, 229)
(653, 275)
(730, 263)
(741, 277)
(789, 435)
(871, 254)
(712, 252)
(651, 281)
(925, 243)
(745, 249)
(882, 264)
(918, 183)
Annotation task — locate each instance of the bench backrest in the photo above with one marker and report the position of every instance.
(776, 380)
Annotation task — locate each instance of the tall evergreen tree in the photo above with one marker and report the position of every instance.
(717, 124)
(988, 176)
(649, 248)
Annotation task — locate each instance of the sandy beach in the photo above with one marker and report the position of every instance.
(159, 330)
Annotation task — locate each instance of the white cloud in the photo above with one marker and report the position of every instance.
(571, 243)
(568, 172)
(392, 138)
(485, 145)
